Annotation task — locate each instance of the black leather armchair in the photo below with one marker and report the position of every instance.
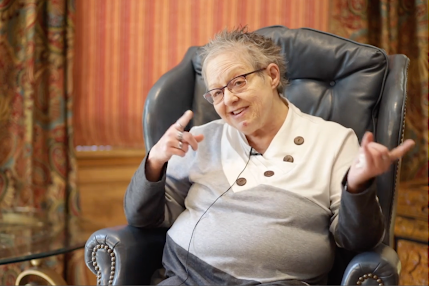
(354, 84)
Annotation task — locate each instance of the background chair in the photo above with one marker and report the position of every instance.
(340, 80)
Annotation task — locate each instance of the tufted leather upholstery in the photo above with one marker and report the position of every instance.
(354, 84)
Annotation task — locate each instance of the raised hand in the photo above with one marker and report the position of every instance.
(373, 160)
(175, 141)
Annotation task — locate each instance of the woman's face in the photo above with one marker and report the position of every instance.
(250, 111)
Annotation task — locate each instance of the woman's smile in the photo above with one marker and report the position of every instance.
(239, 112)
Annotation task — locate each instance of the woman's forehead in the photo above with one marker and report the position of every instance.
(224, 66)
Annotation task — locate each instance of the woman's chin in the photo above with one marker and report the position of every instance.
(244, 127)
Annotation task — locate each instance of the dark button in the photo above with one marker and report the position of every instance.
(268, 173)
(332, 83)
(288, 158)
(298, 140)
(241, 181)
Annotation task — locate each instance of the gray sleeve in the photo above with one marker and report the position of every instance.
(144, 200)
(359, 223)
(154, 204)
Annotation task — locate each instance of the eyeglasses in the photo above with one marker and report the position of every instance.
(235, 85)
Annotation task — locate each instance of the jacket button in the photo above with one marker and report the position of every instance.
(298, 140)
(268, 173)
(288, 158)
(241, 181)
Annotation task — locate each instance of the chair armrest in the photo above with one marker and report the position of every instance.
(380, 263)
(125, 255)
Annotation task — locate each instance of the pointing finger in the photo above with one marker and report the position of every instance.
(184, 120)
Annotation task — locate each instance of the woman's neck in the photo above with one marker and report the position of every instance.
(262, 140)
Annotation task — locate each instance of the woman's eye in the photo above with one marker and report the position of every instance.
(216, 93)
(239, 82)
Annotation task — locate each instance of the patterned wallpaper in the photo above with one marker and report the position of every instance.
(123, 47)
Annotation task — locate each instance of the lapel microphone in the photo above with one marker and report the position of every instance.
(254, 153)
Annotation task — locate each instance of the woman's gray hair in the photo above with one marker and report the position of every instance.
(260, 51)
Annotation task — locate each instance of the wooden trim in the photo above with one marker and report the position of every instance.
(108, 159)
(114, 153)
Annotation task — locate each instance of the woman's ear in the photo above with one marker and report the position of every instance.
(274, 74)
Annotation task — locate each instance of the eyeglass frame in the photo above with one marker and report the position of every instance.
(223, 88)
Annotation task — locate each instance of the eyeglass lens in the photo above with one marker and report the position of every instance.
(236, 85)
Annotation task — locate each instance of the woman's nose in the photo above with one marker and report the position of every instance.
(229, 97)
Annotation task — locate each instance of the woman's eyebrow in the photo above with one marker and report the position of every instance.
(229, 76)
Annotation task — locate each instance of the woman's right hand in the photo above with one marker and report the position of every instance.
(175, 141)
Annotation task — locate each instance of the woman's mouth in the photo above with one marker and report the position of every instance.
(238, 111)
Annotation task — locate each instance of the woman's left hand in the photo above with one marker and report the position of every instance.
(373, 159)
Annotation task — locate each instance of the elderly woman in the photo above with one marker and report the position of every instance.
(261, 195)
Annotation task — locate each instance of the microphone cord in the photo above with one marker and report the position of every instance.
(192, 234)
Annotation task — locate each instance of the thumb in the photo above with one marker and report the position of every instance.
(199, 137)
